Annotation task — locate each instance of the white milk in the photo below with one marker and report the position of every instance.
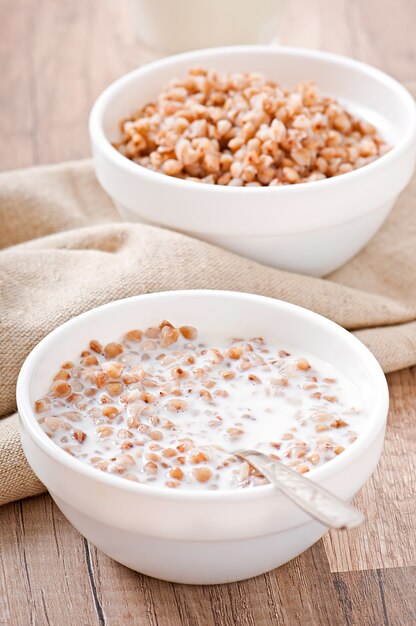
(305, 417)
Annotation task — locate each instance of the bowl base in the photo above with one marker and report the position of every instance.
(194, 562)
(314, 253)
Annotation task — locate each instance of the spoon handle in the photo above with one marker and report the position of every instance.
(307, 495)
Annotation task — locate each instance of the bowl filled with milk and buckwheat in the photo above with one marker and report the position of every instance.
(131, 414)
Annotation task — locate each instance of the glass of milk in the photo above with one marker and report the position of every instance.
(169, 26)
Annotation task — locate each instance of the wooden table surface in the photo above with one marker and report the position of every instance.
(55, 58)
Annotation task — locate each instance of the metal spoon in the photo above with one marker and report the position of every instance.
(307, 495)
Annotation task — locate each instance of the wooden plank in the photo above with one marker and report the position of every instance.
(77, 51)
(368, 31)
(398, 594)
(17, 147)
(378, 597)
(320, 24)
(15, 596)
(125, 597)
(300, 592)
(68, 53)
(44, 574)
(388, 539)
(383, 34)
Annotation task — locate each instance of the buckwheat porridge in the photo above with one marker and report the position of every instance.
(167, 406)
(241, 129)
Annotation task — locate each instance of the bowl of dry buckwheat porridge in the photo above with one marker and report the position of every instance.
(131, 414)
(291, 157)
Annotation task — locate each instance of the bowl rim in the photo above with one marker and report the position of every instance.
(99, 138)
(28, 418)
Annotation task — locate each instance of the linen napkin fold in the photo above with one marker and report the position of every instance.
(63, 250)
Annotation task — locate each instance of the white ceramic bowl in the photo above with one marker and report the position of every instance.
(311, 228)
(198, 536)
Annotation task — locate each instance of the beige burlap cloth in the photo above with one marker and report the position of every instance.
(63, 250)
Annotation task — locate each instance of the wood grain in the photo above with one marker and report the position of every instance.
(42, 558)
(382, 596)
(55, 58)
(388, 536)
